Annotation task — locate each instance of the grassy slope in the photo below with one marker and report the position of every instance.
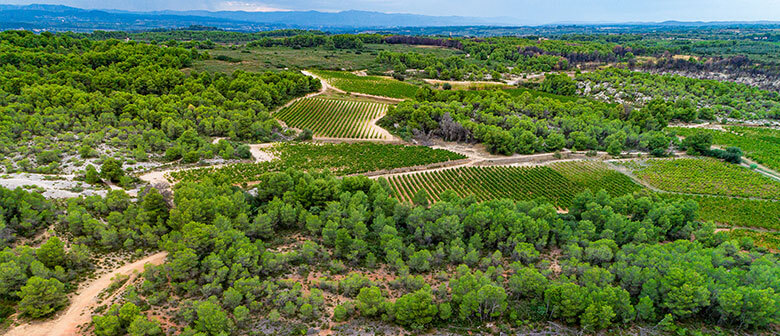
(274, 58)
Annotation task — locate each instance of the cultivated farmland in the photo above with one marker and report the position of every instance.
(334, 118)
(553, 183)
(338, 159)
(739, 212)
(595, 175)
(759, 144)
(705, 176)
(371, 85)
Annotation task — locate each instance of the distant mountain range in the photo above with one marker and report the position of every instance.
(64, 18)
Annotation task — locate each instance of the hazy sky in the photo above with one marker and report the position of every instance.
(526, 11)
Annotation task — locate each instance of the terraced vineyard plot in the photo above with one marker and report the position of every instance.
(339, 159)
(595, 175)
(519, 183)
(705, 176)
(335, 118)
(770, 240)
(372, 85)
(736, 212)
(759, 144)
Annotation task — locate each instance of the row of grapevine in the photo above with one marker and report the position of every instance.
(764, 214)
(372, 85)
(339, 159)
(705, 176)
(759, 144)
(335, 118)
(519, 183)
(596, 175)
(770, 240)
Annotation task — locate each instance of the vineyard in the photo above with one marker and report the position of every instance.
(335, 118)
(555, 183)
(595, 175)
(339, 159)
(770, 240)
(372, 85)
(736, 212)
(759, 144)
(704, 176)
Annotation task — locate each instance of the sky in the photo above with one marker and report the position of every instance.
(523, 11)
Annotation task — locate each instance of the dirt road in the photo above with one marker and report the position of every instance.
(81, 305)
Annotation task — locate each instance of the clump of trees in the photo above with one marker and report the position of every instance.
(130, 97)
(560, 84)
(701, 144)
(526, 123)
(339, 41)
(23, 214)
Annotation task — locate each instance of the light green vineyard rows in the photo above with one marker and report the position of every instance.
(735, 211)
(553, 183)
(334, 118)
(339, 159)
(706, 176)
(759, 144)
(372, 85)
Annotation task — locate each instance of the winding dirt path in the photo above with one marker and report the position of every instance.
(323, 88)
(81, 305)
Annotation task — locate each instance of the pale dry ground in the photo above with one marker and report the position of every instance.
(384, 134)
(53, 188)
(260, 153)
(162, 176)
(81, 305)
(159, 177)
(465, 84)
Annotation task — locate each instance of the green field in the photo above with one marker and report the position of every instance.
(595, 175)
(339, 159)
(255, 59)
(729, 211)
(770, 240)
(335, 118)
(705, 176)
(372, 85)
(556, 183)
(760, 144)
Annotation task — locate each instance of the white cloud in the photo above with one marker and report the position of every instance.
(246, 6)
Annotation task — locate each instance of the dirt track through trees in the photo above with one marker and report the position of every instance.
(81, 305)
